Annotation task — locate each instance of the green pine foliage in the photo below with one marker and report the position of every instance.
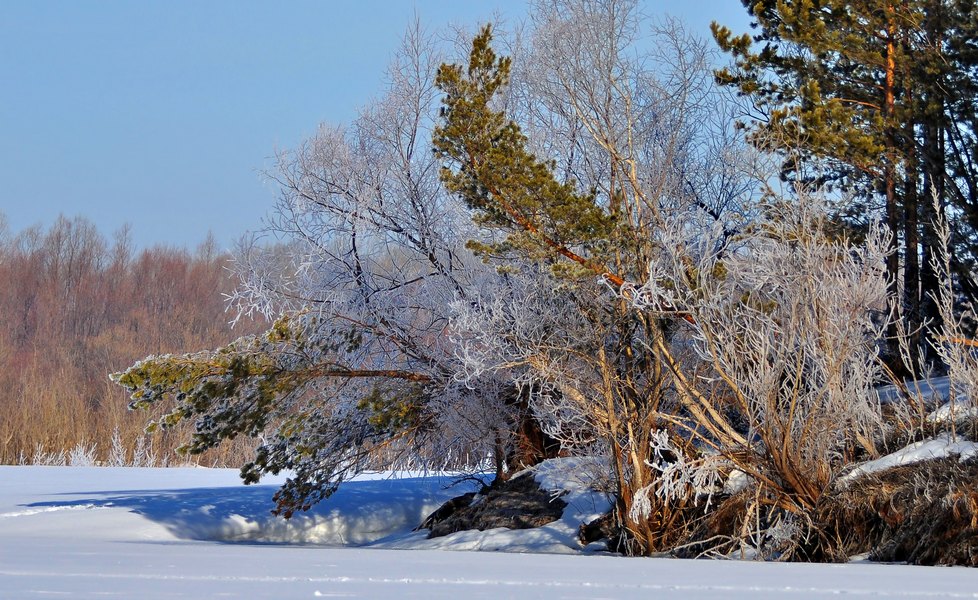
(233, 389)
(488, 165)
(277, 387)
(878, 98)
(815, 70)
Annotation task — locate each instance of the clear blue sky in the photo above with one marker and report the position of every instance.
(162, 113)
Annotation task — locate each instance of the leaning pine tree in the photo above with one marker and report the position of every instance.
(357, 371)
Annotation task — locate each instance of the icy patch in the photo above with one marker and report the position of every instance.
(931, 391)
(939, 447)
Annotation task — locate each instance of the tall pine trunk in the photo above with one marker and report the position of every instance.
(934, 169)
(894, 215)
(911, 224)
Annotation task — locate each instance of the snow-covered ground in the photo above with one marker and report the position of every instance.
(198, 533)
(941, 446)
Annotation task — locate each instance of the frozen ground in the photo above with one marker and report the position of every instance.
(198, 533)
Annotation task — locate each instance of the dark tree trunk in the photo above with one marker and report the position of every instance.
(894, 214)
(934, 171)
(532, 445)
(911, 224)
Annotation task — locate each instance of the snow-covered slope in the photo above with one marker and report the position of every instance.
(198, 533)
(941, 446)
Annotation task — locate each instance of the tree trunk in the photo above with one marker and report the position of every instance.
(934, 169)
(894, 215)
(911, 230)
(532, 444)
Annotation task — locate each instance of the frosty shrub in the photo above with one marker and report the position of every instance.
(117, 451)
(952, 343)
(589, 263)
(787, 335)
(83, 455)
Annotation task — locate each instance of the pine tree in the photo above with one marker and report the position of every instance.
(488, 166)
(865, 89)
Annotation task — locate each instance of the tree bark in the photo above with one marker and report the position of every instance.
(894, 215)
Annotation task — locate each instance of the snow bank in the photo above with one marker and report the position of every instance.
(360, 512)
(939, 447)
(372, 507)
(379, 510)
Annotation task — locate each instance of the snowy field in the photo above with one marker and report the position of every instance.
(198, 533)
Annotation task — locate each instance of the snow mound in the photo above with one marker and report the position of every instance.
(358, 513)
(576, 480)
(953, 412)
(939, 447)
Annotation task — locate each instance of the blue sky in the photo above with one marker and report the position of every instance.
(162, 113)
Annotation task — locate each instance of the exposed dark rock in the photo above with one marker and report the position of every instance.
(599, 529)
(518, 503)
(446, 511)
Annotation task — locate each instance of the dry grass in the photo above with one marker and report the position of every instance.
(925, 513)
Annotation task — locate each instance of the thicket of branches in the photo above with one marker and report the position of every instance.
(570, 250)
(77, 306)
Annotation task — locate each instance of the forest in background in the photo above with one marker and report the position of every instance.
(78, 305)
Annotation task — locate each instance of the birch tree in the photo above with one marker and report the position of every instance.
(358, 367)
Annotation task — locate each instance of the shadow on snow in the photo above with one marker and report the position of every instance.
(359, 512)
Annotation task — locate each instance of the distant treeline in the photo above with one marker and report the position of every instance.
(76, 306)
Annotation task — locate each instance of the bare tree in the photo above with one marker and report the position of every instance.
(360, 366)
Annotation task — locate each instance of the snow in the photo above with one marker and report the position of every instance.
(931, 390)
(935, 392)
(941, 446)
(571, 478)
(953, 412)
(198, 533)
